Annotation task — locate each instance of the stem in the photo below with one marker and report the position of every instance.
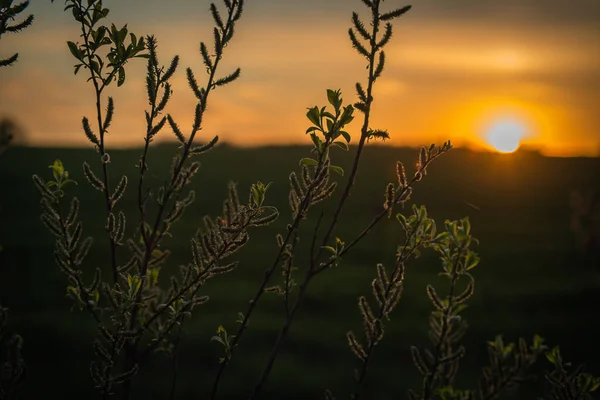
(268, 273)
(86, 297)
(292, 230)
(432, 376)
(101, 148)
(399, 262)
(143, 166)
(497, 390)
(280, 338)
(376, 219)
(506, 380)
(363, 136)
(153, 344)
(197, 280)
(188, 144)
(310, 274)
(252, 305)
(131, 349)
(106, 393)
(157, 234)
(141, 207)
(77, 278)
(288, 275)
(310, 271)
(175, 362)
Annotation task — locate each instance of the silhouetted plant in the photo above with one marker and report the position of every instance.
(569, 385)
(8, 13)
(508, 365)
(13, 369)
(327, 254)
(137, 314)
(387, 287)
(440, 364)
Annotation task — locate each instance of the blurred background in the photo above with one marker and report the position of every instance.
(457, 70)
(513, 84)
(532, 214)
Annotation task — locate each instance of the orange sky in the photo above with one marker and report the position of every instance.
(452, 72)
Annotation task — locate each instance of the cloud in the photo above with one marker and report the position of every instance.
(449, 65)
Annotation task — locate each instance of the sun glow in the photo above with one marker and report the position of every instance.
(505, 136)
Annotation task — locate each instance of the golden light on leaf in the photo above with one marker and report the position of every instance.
(505, 136)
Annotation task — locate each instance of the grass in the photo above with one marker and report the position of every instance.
(529, 280)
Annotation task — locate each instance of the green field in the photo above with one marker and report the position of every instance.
(529, 280)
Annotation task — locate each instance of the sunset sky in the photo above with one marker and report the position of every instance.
(457, 69)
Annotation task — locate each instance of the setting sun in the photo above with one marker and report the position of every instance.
(505, 136)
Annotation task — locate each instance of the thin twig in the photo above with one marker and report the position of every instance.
(432, 376)
(302, 208)
(399, 262)
(310, 271)
(156, 234)
(101, 148)
(175, 363)
(382, 214)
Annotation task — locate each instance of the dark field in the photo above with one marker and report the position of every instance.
(529, 281)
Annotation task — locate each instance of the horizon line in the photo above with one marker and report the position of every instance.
(525, 149)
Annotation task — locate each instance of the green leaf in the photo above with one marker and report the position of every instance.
(229, 78)
(313, 115)
(255, 196)
(240, 318)
(57, 170)
(347, 115)
(67, 181)
(259, 190)
(333, 98)
(326, 114)
(75, 50)
(467, 225)
(329, 248)
(217, 339)
(394, 14)
(95, 67)
(337, 169)
(316, 140)
(346, 136)
(537, 342)
(358, 46)
(114, 32)
(121, 78)
(341, 144)
(99, 36)
(122, 34)
(308, 161)
(471, 260)
(329, 125)
(554, 356)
